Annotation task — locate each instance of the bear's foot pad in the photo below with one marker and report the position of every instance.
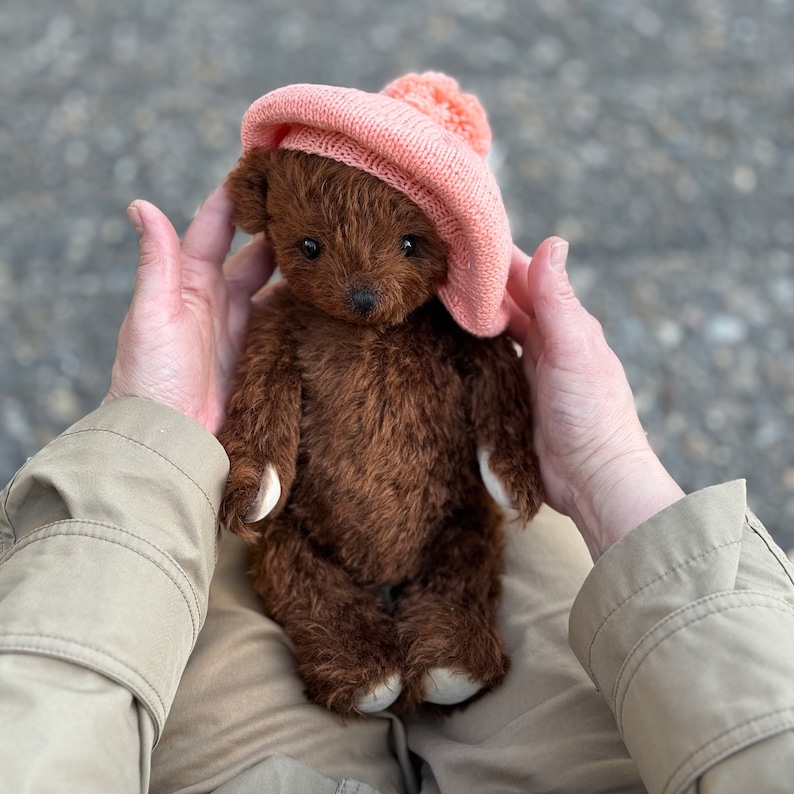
(382, 696)
(446, 687)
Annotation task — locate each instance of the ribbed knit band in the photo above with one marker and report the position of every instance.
(412, 152)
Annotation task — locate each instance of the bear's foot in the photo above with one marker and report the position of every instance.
(452, 652)
(445, 686)
(381, 696)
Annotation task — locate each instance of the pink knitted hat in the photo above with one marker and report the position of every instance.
(425, 138)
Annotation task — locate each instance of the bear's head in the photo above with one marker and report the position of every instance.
(375, 202)
(347, 243)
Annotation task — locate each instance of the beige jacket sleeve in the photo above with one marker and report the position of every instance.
(687, 628)
(107, 546)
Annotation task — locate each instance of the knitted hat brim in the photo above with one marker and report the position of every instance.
(409, 151)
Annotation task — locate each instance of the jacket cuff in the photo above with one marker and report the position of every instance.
(700, 586)
(109, 543)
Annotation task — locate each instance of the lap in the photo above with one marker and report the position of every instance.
(546, 729)
(239, 702)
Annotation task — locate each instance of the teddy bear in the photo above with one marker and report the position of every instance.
(380, 421)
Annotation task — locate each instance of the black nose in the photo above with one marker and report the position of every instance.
(363, 301)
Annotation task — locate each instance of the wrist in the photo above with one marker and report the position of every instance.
(622, 495)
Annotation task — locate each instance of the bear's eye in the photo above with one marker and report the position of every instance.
(408, 245)
(310, 248)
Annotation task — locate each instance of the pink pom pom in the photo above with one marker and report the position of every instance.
(440, 97)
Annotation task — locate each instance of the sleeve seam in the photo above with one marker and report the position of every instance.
(618, 708)
(759, 734)
(28, 646)
(659, 578)
(6, 497)
(25, 543)
(68, 434)
(751, 521)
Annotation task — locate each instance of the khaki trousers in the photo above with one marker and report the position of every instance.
(240, 705)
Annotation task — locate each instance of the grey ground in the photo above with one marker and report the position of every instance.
(658, 137)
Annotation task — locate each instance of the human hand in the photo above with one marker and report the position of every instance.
(185, 327)
(595, 459)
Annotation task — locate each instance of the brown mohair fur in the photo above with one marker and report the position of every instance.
(372, 415)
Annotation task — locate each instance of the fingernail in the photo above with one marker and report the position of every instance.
(134, 214)
(559, 255)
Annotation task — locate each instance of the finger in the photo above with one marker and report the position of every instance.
(247, 272)
(158, 278)
(209, 236)
(523, 330)
(547, 283)
(517, 287)
(518, 321)
(268, 292)
(250, 268)
(552, 252)
(540, 296)
(566, 330)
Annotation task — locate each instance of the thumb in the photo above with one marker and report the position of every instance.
(567, 332)
(552, 252)
(554, 304)
(159, 276)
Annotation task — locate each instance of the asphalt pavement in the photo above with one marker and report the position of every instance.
(657, 137)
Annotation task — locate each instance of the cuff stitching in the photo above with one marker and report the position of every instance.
(763, 601)
(758, 530)
(154, 452)
(156, 563)
(60, 653)
(6, 497)
(661, 576)
(757, 735)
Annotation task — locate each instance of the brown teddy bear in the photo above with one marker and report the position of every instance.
(378, 392)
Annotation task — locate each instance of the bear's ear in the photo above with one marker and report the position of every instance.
(247, 186)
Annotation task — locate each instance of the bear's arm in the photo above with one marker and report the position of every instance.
(262, 428)
(501, 415)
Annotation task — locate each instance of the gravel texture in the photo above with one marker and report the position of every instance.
(657, 137)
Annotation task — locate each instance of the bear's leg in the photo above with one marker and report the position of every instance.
(446, 618)
(345, 641)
